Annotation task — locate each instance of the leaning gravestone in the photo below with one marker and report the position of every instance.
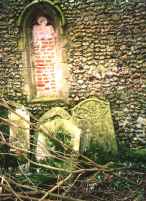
(20, 130)
(94, 118)
(56, 120)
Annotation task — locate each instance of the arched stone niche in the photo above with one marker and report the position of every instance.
(43, 55)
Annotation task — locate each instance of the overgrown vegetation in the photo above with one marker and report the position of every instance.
(66, 174)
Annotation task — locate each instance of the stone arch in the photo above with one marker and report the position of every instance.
(25, 11)
(54, 72)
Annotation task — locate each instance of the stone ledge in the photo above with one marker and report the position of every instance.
(48, 98)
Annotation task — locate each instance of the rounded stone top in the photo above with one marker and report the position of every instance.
(42, 20)
(53, 113)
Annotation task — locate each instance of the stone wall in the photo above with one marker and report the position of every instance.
(106, 57)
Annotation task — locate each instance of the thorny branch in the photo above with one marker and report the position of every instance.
(27, 190)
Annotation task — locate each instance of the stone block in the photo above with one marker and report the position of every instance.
(94, 118)
(20, 130)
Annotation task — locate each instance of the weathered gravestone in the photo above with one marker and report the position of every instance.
(20, 130)
(94, 118)
(52, 122)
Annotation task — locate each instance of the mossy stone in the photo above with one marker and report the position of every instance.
(94, 118)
